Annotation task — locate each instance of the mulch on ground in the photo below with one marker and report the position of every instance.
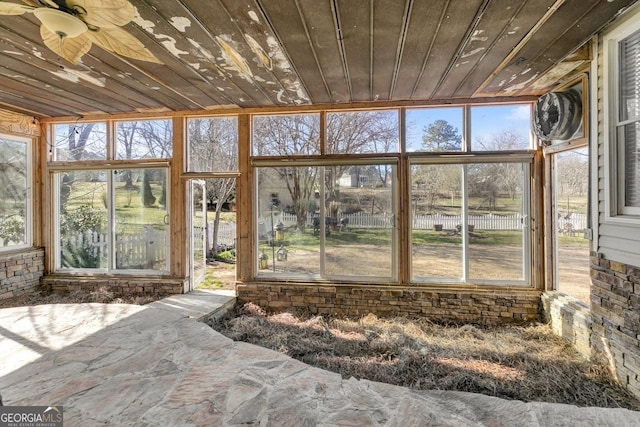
(526, 363)
(100, 295)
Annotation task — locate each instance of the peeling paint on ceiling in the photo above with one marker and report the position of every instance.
(260, 53)
(234, 60)
(476, 36)
(167, 41)
(473, 52)
(265, 53)
(254, 16)
(180, 23)
(76, 76)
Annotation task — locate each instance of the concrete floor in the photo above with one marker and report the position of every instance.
(157, 365)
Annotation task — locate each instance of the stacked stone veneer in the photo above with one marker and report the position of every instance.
(615, 311)
(20, 271)
(569, 319)
(117, 284)
(459, 306)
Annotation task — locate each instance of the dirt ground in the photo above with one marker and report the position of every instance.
(573, 269)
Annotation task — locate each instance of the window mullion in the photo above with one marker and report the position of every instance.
(463, 231)
(323, 223)
(111, 238)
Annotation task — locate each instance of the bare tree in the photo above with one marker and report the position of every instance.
(574, 177)
(346, 133)
(145, 139)
(505, 177)
(290, 135)
(77, 139)
(213, 147)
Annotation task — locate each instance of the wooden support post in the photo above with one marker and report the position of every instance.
(245, 251)
(178, 237)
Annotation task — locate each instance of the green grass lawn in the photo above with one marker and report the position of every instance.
(131, 215)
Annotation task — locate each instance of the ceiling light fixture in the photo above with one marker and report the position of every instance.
(60, 23)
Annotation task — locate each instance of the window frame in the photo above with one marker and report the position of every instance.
(616, 210)
(524, 158)
(110, 226)
(402, 160)
(28, 216)
(321, 162)
(108, 165)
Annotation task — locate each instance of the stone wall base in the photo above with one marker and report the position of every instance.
(610, 329)
(136, 285)
(615, 310)
(486, 307)
(569, 319)
(20, 271)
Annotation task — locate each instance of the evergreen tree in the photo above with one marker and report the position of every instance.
(441, 136)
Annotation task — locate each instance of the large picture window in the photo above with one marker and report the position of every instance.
(469, 222)
(15, 193)
(113, 219)
(333, 221)
(622, 49)
(330, 202)
(111, 195)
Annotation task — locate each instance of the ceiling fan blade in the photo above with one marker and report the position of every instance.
(7, 8)
(119, 41)
(69, 48)
(105, 13)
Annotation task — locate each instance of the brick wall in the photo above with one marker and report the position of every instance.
(115, 284)
(480, 307)
(20, 271)
(615, 310)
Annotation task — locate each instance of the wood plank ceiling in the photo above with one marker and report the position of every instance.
(254, 53)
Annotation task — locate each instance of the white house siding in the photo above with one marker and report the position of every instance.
(616, 241)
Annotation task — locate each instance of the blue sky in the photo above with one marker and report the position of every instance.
(486, 121)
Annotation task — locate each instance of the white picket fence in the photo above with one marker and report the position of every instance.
(575, 222)
(226, 234)
(572, 223)
(142, 250)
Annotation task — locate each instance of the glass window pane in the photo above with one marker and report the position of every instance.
(434, 129)
(141, 219)
(145, 139)
(501, 127)
(287, 202)
(82, 214)
(81, 141)
(629, 78)
(14, 185)
(359, 212)
(213, 144)
(571, 185)
(286, 135)
(436, 205)
(362, 132)
(496, 216)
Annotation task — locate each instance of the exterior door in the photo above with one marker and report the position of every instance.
(198, 214)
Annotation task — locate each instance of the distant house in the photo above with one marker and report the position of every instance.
(353, 180)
